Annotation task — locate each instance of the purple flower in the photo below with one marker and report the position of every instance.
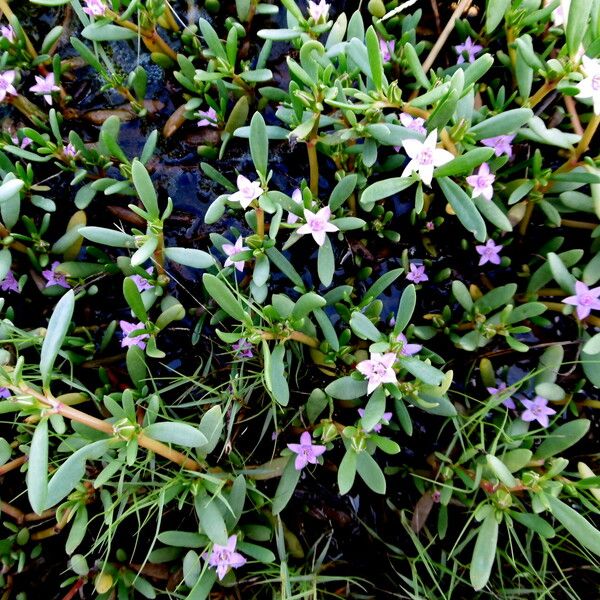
(297, 198)
(243, 348)
(8, 33)
(317, 224)
(54, 278)
(508, 402)
(5, 392)
(95, 8)
(413, 123)
(387, 48)
(425, 156)
(482, 182)
(307, 451)
(70, 151)
(141, 282)
(225, 557)
(232, 250)
(470, 48)
(584, 299)
(7, 79)
(407, 349)
(378, 369)
(430, 225)
(247, 191)
(45, 86)
(489, 253)
(133, 340)
(209, 118)
(385, 419)
(501, 144)
(318, 11)
(22, 144)
(10, 284)
(417, 273)
(537, 410)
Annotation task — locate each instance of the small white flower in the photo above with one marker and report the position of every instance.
(317, 224)
(482, 182)
(425, 157)
(378, 369)
(590, 86)
(318, 11)
(233, 249)
(7, 79)
(297, 198)
(247, 191)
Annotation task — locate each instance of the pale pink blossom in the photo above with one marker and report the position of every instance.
(385, 419)
(589, 87)
(387, 48)
(508, 402)
(208, 118)
(489, 253)
(424, 157)
(7, 79)
(45, 86)
(318, 12)
(407, 349)
(317, 224)
(470, 48)
(584, 299)
(306, 451)
(54, 278)
(225, 557)
(413, 123)
(378, 369)
(10, 283)
(8, 33)
(417, 273)
(95, 8)
(482, 182)
(133, 340)
(537, 410)
(297, 198)
(70, 151)
(23, 143)
(233, 249)
(501, 144)
(248, 191)
(142, 282)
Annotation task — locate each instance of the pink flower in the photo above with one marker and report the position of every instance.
(470, 48)
(424, 157)
(7, 79)
(22, 144)
(232, 250)
(209, 118)
(407, 349)
(413, 123)
(317, 224)
(584, 299)
(142, 282)
(307, 451)
(378, 369)
(318, 11)
(297, 198)
(508, 402)
(537, 410)
(385, 419)
(225, 557)
(54, 278)
(45, 86)
(8, 33)
(10, 283)
(482, 182)
(489, 253)
(417, 273)
(387, 48)
(95, 8)
(243, 348)
(133, 340)
(70, 151)
(501, 144)
(247, 191)
(589, 87)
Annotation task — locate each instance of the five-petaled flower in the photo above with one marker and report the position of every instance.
(306, 451)
(481, 182)
(133, 340)
(10, 283)
(378, 369)
(54, 278)
(537, 410)
(425, 157)
(317, 224)
(385, 419)
(414, 123)
(297, 198)
(318, 11)
(387, 47)
(247, 191)
(406, 348)
(45, 86)
(233, 249)
(508, 402)
(225, 557)
(501, 144)
(584, 299)
(470, 48)
(95, 8)
(7, 79)
(417, 273)
(589, 87)
(8, 33)
(208, 118)
(243, 348)
(489, 252)
(142, 282)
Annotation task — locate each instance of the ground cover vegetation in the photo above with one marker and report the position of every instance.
(299, 299)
